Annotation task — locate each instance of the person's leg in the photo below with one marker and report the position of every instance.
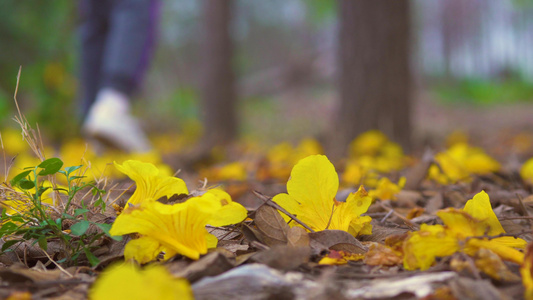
(127, 51)
(93, 35)
(129, 44)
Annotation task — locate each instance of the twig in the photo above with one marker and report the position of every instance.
(268, 201)
(57, 265)
(516, 218)
(524, 209)
(386, 216)
(491, 237)
(122, 194)
(407, 222)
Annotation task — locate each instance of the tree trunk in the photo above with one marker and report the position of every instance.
(374, 72)
(218, 82)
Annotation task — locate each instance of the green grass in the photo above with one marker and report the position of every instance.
(484, 92)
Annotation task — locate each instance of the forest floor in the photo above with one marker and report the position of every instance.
(262, 257)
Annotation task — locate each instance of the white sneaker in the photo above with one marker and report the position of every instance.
(109, 121)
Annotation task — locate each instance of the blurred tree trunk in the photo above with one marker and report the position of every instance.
(218, 82)
(374, 72)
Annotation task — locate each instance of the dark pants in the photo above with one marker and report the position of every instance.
(117, 38)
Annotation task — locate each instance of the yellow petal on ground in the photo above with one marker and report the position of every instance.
(461, 224)
(423, 246)
(142, 250)
(179, 227)
(229, 213)
(505, 252)
(150, 183)
(480, 208)
(347, 216)
(313, 185)
(526, 270)
(526, 171)
(211, 240)
(311, 198)
(386, 189)
(127, 281)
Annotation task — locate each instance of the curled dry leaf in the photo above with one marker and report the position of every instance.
(251, 234)
(336, 240)
(271, 225)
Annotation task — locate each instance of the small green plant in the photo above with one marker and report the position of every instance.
(28, 218)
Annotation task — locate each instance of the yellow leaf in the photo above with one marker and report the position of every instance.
(311, 198)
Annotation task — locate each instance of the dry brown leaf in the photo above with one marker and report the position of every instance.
(212, 264)
(283, 257)
(381, 255)
(434, 203)
(271, 225)
(414, 212)
(491, 264)
(408, 198)
(297, 237)
(380, 233)
(336, 240)
(419, 172)
(251, 234)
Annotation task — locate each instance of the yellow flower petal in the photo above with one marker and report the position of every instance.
(526, 270)
(229, 213)
(386, 190)
(150, 183)
(503, 251)
(480, 208)
(311, 198)
(142, 250)
(423, 246)
(347, 215)
(313, 185)
(461, 224)
(129, 282)
(178, 228)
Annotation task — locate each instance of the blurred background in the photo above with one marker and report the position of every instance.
(470, 65)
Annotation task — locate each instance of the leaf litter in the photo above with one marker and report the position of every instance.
(349, 245)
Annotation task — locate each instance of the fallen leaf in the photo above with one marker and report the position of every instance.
(297, 237)
(336, 240)
(271, 225)
(381, 255)
(419, 172)
(282, 257)
(491, 264)
(212, 264)
(380, 233)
